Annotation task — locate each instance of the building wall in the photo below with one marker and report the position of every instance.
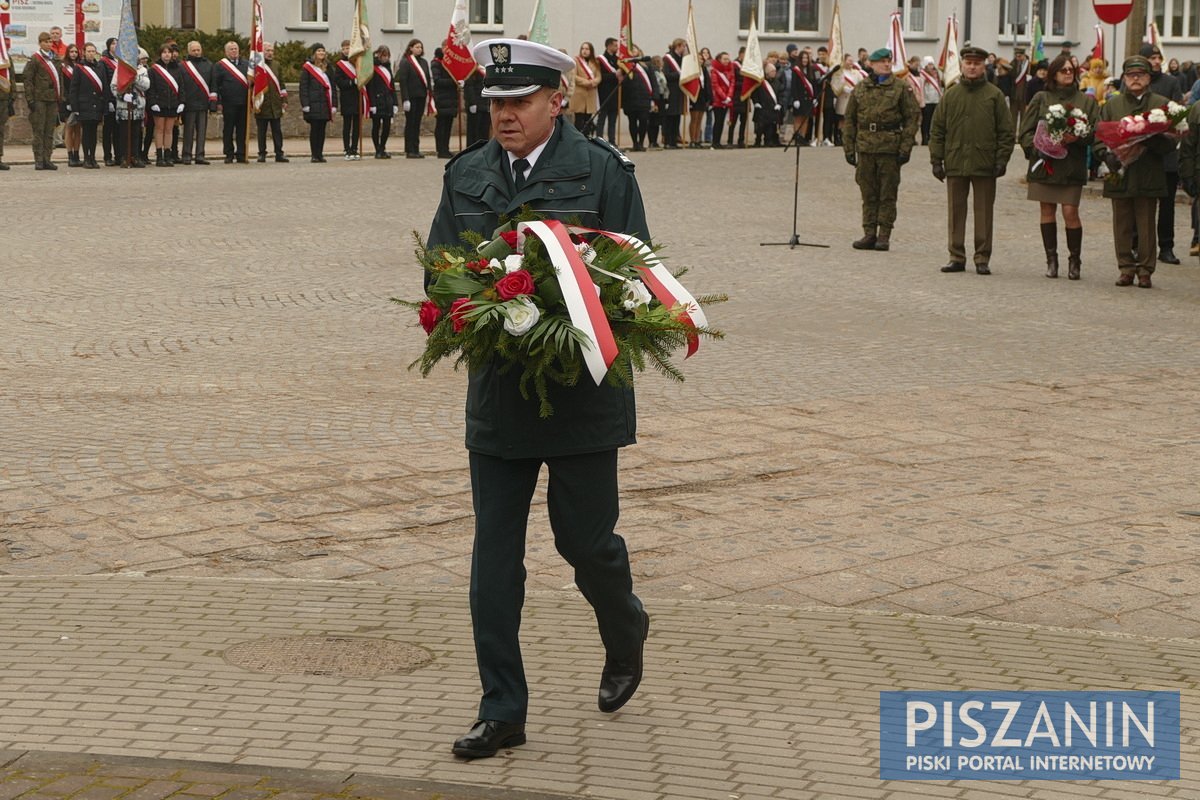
(656, 22)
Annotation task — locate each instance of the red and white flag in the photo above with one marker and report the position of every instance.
(689, 72)
(895, 43)
(625, 37)
(5, 64)
(752, 64)
(456, 50)
(1098, 48)
(948, 61)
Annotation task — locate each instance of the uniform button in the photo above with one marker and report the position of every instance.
(550, 190)
(583, 187)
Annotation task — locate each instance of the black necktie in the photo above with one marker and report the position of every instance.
(519, 167)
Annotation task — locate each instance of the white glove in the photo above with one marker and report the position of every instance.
(473, 109)
(407, 105)
(796, 104)
(155, 107)
(758, 105)
(112, 107)
(68, 106)
(395, 110)
(180, 109)
(777, 107)
(461, 84)
(305, 108)
(373, 109)
(127, 98)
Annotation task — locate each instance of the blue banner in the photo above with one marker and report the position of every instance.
(985, 735)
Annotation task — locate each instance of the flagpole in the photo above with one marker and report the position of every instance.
(249, 87)
(618, 110)
(460, 116)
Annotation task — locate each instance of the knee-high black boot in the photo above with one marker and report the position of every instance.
(1050, 242)
(1074, 246)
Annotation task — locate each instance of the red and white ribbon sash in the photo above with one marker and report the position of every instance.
(579, 293)
(670, 59)
(606, 65)
(808, 87)
(93, 77)
(591, 76)
(273, 78)
(645, 79)
(199, 79)
(68, 71)
(233, 70)
(384, 74)
(323, 79)
(53, 74)
(168, 77)
(933, 81)
(771, 91)
(348, 68)
(416, 65)
(853, 75)
(109, 61)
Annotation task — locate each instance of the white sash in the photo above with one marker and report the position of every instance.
(771, 91)
(195, 73)
(416, 65)
(320, 75)
(606, 66)
(271, 75)
(675, 64)
(233, 69)
(384, 73)
(1024, 73)
(645, 79)
(162, 73)
(53, 74)
(93, 77)
(591, 76)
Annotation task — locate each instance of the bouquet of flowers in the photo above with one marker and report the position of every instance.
(1062, 125)
(551, 300)
(1125, 137)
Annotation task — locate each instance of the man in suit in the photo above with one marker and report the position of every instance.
(538, 161)
(611, 76)
(231, 84)
(198, 97)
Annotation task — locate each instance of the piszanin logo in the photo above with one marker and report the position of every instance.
(1029, 735)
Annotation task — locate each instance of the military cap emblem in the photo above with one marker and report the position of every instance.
(500, 53)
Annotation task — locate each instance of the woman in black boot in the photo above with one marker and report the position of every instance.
(316, 99)
(381, 90)
(1059, 181)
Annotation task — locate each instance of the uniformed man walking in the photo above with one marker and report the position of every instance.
(43, 93)
(878, 135)
(535, 160)
(970, 142)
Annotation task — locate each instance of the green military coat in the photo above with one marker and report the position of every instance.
(272, 104)
(1189, 148)
(574, 179)
(881, 118)
(972, 130)
(1144, 177)
(39, 85)
(1073, 169)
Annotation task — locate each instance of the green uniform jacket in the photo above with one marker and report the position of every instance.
(1144, 177)
(972, 130)
(272, 104)
(39, 86)
(888, 107)
(1189, 148)
(1073, 169)
(574, 179)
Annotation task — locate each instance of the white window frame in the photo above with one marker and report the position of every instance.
(791, 24)
(492, 24)
(906, 8)
(1191, 9)
(1008, 31)
(322, 7)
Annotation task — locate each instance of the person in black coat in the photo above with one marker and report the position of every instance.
(637, 99)
(381, 95)
(415, 82)
(611, 76)
(767, 110)
(198, 99)
(108, 65)
(349, 101)
(316, 99)
(445, 102)
(88, 100)
(165, 102)
(479, 114)
(231, 94)
(672, 63)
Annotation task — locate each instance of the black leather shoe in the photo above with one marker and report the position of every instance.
(620, 679)
(982, 269)
(281, 159)
(228, 159)
(954, 266)
(262, 159)
(487, 737)
(1167, 256)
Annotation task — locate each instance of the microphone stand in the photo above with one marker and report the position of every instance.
(794, 242)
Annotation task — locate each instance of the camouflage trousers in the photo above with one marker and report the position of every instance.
(878, 178)
(43, 117)
(3, 122)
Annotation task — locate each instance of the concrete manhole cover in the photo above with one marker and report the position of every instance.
(342, 656)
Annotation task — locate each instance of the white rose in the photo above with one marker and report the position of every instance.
(520, 314)
(586, 252)
(1056, 110)
(1175, 108)
(634, 294)
(1157, 116)
(513, 261)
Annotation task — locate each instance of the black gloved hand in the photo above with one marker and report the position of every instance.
(1000, 170)
(903, 158)
(939, 171)
(1189, 186)
(851, 159)
(1112, 162)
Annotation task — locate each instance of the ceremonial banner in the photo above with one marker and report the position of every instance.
(689, 73)
(1153, 37)
(257, 59)
(1098, 48)
(539, 26)
(752, 64)
(1039, 45)
(360, 46)
(949, 62)
(895, 43)
(5, 72)
(456, 50)
(625, 38)
(127, 49)
(836, 49)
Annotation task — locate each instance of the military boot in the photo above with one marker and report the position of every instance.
(883, 240)
(867, 242)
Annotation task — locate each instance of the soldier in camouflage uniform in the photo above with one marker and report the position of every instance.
(879, 132)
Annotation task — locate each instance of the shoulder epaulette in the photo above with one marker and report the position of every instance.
(614, 150)
(470, 149)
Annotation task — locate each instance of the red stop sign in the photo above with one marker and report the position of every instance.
(1112, 11)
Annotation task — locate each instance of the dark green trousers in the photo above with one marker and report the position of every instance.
(878, 177)
(43, 117)
(583, 508)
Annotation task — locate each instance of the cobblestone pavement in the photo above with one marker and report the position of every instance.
(216, 387)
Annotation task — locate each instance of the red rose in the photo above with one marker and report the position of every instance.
(477, 266)
(510, 239)
(515, 284)
(429, 316)
(457, 309)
